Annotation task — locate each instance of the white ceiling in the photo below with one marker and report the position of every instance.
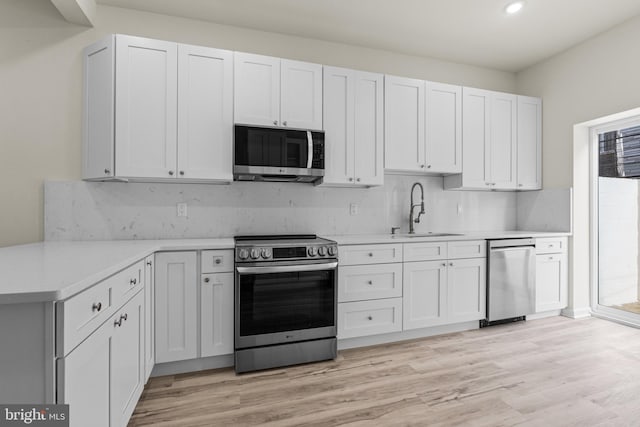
(474, 32)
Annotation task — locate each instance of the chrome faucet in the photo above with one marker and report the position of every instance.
(413, 205)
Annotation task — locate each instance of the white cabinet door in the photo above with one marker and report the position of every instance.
(301, 94)
(476, 133)
(127, 360)
(424, 294)
(205, 113)
(98, 120)
(466, 289)
(502, 158)
(149, 317)
(257, 89)
(529, 150)
(368, 129)
(145, 107)
(443, 128)
(216, 311)
(83, 378)
(551, 282)
(338, 125)
(404, 124)
(176, 306)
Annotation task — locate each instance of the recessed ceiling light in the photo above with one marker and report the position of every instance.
(514, 7)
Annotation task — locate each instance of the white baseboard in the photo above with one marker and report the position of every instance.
(192, 365)
(544, 314)
(577, 313)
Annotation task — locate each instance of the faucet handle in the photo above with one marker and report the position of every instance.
(394, 229)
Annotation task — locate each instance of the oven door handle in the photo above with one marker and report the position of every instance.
(287, 268)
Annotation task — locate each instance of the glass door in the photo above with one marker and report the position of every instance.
(616, 191)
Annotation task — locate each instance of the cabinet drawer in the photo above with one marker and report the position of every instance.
(219, 261)
(370, 254)
(127, 282)
(361, 318)
(467, 249)
(357, 282)
(425, 251)
(82, 314)
(549, 245)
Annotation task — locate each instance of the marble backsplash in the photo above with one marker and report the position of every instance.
(78, 210)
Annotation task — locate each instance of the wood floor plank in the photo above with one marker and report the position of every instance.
(548, 372)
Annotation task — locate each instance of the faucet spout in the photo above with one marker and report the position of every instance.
(413, 205)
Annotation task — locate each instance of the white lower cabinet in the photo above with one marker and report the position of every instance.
(551, 274)
(362, 318)
(102, 379)
(176, 301)
(149, 317)
(216, 314)
(425, 294)
(441, 291)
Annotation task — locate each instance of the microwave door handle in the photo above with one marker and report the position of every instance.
(287, 268)
(309, 150)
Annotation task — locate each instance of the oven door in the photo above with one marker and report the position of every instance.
(279, 303)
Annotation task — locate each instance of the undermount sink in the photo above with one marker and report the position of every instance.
(431, 234)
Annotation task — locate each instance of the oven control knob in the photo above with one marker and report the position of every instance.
(322, 251)
(312, 251)
(333, 250)
(255, 253)
(243, 254)
(266, 253)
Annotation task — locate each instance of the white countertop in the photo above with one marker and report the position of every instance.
(52, 271)
(363, 239)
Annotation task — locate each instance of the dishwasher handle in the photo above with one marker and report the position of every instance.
(511, 243)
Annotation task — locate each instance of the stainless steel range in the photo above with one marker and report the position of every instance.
(285, 300)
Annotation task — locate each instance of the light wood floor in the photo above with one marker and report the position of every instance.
(549, 372)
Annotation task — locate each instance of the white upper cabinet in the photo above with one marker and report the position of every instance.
(502, 157)
(404, 124)
(145, 107)
(164, 109)
(502, 140)
(353, 114)
(529, 143)
(277, 92)
(443, 128)
(423, 126)
(256, 89)
(205, 113)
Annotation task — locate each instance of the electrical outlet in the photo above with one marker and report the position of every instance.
(354, 209)
(181, 209)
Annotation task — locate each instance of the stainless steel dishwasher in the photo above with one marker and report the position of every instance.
(511, 278)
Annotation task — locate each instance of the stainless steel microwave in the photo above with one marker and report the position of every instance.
(276, 154)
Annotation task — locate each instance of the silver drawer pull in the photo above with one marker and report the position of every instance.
(124, 317)
(218, 261)
(206, 280)
(370, 253)
(133, 281)
(370, 282)
(117, 322)
(369, 318)
(97, 306)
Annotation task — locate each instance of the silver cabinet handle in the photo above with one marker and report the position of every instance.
(218, 261)
(487, 183)
(117, 322)
(520, 185)
(370, 254)
(171, 173)
(207, 280)
(358, 179)
(124, 317)
(451, 264)
(444, 264)
(133, 281)
(422, 166)
(284, 123)
(428, 166)
(369, 318)
(275, 122)
(107, 171)
(370, 282)
(97, 306)
(148, 262)
(181, 173)
(350, 179)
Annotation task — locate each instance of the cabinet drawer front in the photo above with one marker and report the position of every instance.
(550, 245)
(127, 282)
(468, 249)
(425, 251)
(220, 261)
(357, 283)
(370, 254)
(82, 314)
(362, 318)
